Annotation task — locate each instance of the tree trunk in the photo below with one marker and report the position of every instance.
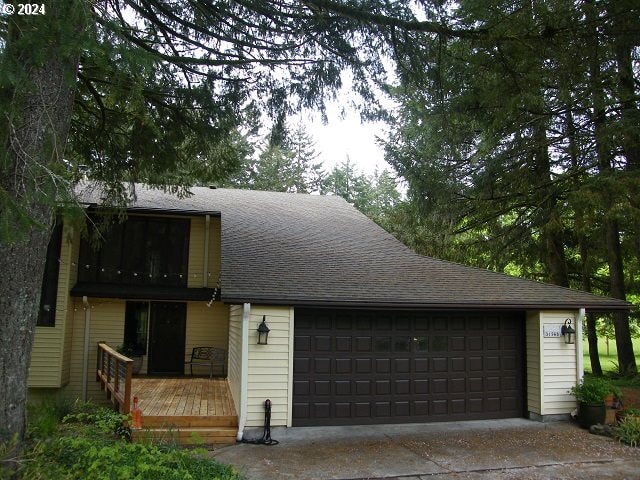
(551, 227)
(625, 41)
(626, 358)
(37, 105)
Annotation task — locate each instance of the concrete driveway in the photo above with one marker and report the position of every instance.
(496, 449)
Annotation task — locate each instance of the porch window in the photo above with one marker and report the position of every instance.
(140, 251)
(136, 322)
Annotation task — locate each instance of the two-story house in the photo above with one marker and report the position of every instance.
(362, 329)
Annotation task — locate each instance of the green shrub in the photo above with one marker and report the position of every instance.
(71, 457)
(45, 416)
(103, 420)
(92, 443)
(628, 431)
(593, 390)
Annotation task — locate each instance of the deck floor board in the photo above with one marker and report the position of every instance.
(175, 397)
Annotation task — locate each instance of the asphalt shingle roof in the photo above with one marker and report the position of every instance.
(282, 248)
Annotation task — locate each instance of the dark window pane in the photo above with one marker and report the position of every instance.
(439, 344)
(422, 344)
(135, 328)
(382, 344)
(402, 344)
(143, 250)
(49, 290)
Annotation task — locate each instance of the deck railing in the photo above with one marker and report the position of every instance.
(114, 372)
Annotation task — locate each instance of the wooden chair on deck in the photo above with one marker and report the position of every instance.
(211, 357)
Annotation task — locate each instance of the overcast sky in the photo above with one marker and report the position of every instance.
(341, 138)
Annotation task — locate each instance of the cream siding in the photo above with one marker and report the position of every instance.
(234, 375)
(49, 358)
(269, 366)
(551, 361)
(58, 350)
(197, 253)
(206, 326)
(107, 325)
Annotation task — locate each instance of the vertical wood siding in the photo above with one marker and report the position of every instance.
(196, 252)
(269, 372)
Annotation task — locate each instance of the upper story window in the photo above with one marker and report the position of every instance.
(140, 251)
(49, 290)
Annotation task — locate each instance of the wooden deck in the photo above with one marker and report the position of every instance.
(182, 407)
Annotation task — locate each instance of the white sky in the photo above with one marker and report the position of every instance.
(347, 137)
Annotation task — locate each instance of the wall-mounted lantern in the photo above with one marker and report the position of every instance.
(263, 332)
(568, 332)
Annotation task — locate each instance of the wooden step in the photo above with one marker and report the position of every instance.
(188, 421)
(193, 436)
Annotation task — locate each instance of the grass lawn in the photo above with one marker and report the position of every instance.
(609, 362)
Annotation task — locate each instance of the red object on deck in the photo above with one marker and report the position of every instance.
(136, 415)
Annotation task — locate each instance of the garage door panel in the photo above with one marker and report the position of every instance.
(475, 384)
(343, 365)
(302, 343)
(321, 387)
(475, 364)
(401, 365)
(383, 365)
(439, 407)
(354, 367)
(343, 344)
(421, 365)
(301, 387)
(457, 385)
(401, 387)
(439, 385)
(363, 387)
(421, 387)
(457, 406)
(439, 364)
(458, 344)
(382, 409)
(321, 365)
(383, 387)
(322, 343)
(402, 409)
(458, 364)
(343, 410)
(302, 365)
(342, 387)
(421, 408)
(363, 344)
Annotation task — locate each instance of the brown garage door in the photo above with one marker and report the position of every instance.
(363, 367)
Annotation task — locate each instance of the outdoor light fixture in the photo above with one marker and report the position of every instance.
(263, 332)
(568, 332)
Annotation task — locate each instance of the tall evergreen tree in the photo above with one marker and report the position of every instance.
(496, 142)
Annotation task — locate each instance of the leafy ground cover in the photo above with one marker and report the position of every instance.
(86, 441)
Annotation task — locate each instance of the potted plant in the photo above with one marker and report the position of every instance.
(134, 354)
(591, 393)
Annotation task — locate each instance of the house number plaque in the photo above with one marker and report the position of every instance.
(551, 330)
